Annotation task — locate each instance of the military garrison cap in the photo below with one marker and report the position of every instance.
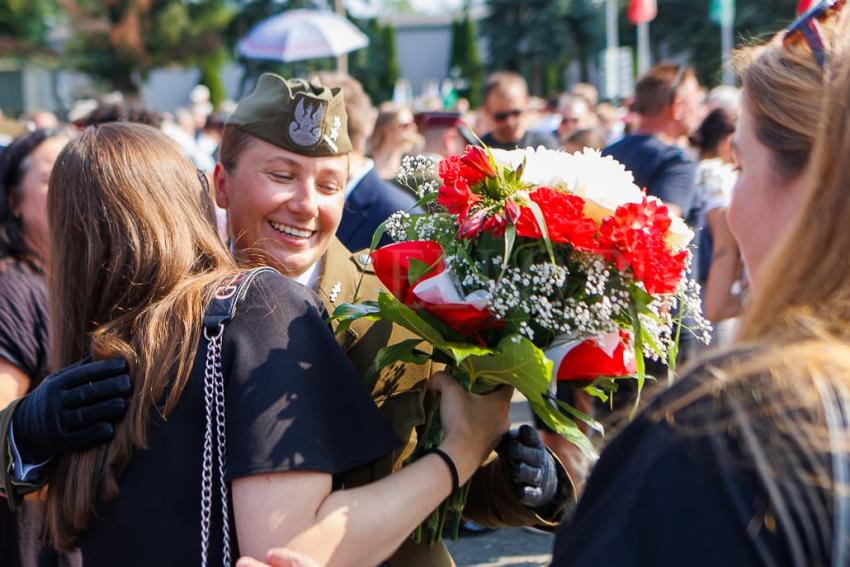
(302, 117)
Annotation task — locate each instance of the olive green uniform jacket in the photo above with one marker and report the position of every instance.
(399, 391)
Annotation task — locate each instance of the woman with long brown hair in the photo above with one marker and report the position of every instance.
(136, 260)
(746, 460)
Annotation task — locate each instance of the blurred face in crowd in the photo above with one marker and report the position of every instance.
(506, 109)
(283, 203)
(31, 194)
(575, 115)
(687, 107)
(763, 202)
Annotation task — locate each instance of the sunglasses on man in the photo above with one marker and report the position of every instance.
(502, 116)
(807, 28)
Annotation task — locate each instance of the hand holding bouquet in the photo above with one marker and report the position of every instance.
(529, 267)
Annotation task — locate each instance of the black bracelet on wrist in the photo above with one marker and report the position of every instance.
(449, 463)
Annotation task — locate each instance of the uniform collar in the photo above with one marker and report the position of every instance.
(310, 278)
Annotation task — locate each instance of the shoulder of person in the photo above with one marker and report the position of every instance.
(270, 291)
(541, 138)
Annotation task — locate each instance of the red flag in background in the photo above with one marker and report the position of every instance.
(642, 11)
(803, 5)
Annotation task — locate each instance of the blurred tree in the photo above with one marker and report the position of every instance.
(586, 24)
(120, 42)
(391, 69)
(465, 60)
(376, 66)
(24, 25)
(528, 37)
(683, 28)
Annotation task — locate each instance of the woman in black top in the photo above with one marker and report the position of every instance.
(136, 260)
(745, 461)
(24, 169)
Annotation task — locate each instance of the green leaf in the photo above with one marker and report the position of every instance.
(597, 393)
(417, 269)
(510, 238)
(538, 216)
(350, 312)
(405, 351)
(581, 416)
(378, 234)
(427, 199)
(640, 366)
(461, 351)
(394, 310)
(519, 363)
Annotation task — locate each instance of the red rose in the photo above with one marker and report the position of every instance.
(564, 216)
(588, 361)
(633, 237)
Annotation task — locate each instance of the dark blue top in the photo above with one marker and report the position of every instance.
(680, 487)
(371, 202)
(664, 170)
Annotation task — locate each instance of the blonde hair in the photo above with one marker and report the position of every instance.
(783, 89)
(135, 258)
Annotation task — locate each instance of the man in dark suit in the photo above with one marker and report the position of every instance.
(369, 200)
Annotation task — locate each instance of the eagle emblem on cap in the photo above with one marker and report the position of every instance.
(306, 127)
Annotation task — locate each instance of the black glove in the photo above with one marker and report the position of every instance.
(71, 409)
(529, 467)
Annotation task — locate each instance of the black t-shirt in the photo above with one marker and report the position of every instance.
(664, 170)
(672, 494)
(529, 140)
(294, 403)
(23, 319)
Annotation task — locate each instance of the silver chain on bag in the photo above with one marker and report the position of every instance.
(214, 409)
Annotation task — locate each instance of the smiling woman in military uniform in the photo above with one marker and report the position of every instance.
(281, 177)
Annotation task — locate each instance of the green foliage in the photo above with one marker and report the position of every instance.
(527, 37)
(517, 362)
(24, 25)
(683, 26)
(539, 38)
(376, 66)
(466, 60)
(211, 77)
(120, 43)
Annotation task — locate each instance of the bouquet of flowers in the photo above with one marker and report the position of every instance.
(530, 267)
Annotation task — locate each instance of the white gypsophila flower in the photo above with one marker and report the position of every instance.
(418, 173)
(397, 226)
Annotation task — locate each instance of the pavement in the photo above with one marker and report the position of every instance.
(506, 547)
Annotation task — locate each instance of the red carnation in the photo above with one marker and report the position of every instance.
(633, 237)
(564, 216)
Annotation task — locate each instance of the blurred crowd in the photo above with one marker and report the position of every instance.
(673, 134)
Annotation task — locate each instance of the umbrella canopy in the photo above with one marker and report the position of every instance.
(296, 35)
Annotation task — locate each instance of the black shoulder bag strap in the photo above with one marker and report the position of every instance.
(219, 312)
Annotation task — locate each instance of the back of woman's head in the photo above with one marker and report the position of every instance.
(14, 163)
(718, 125)
(783, 90)
(135, 255)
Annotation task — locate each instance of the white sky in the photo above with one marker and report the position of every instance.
(371, 7)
